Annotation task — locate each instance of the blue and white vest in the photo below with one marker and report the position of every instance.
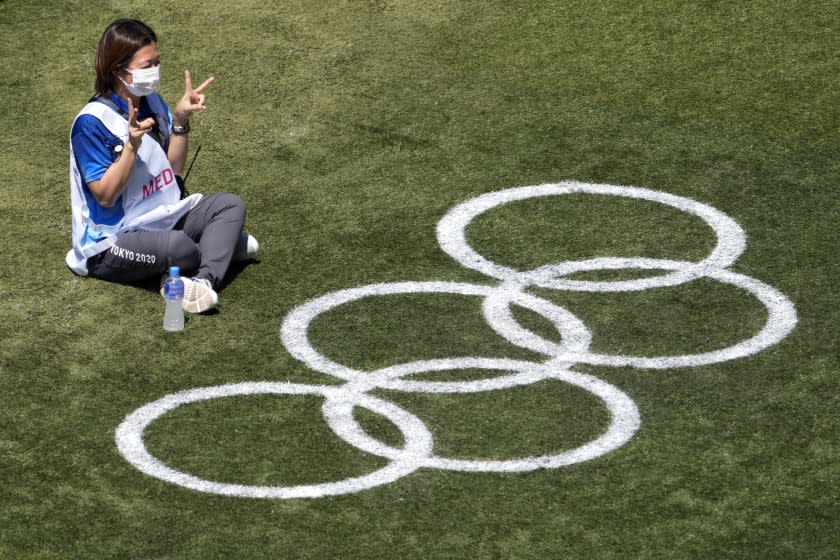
(150, 201)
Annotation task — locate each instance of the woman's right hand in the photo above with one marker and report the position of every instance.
(136, 129)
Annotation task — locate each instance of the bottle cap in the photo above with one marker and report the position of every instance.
(174, 271)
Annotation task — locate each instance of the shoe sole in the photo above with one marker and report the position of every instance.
(198, 297)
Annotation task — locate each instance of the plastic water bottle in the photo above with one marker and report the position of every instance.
(173, 293)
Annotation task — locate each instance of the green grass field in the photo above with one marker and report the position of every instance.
(351, 128)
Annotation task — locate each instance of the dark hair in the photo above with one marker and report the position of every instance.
(118, 44)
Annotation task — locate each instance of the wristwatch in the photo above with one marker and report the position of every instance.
(179, 130)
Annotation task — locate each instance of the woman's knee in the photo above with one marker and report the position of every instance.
(233, 202)
(183, 251)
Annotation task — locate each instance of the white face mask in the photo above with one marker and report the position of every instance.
(144, 81)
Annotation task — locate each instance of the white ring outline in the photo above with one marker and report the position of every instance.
(624, 422)
(575, 337)
(781, 318)
(129, 436)
(451, 235)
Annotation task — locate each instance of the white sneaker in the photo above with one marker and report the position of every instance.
(199, 295)
(246, 247)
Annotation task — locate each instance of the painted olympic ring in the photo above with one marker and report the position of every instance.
(496, 306)
(417, 437)
(451, 234)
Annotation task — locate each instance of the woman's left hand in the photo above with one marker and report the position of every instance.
(192, 101)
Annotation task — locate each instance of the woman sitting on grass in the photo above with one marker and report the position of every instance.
(127, 151)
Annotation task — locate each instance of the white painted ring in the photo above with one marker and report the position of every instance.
(781, 320)
(574, 335)
(451, 234)
(624, 422)
(129, 438)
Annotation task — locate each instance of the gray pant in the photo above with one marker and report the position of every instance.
(201, 244)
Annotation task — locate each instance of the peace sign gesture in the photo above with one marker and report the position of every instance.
(136, 129)
(193, 99)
